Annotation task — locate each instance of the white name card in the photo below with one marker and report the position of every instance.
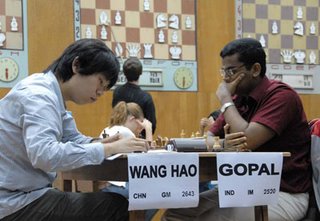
(248, 179)
(163, 180)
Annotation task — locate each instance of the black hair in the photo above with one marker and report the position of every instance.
(132, 69)
(250, 51)
(93, 57)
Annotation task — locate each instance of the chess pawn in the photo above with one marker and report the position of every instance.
(174, 37)
(188, 22)
(146, 5)
(216, 145)
(198, 134)
(192, 135)
(274, 28)
(182, 134)
(14, 24)
(299, 13)
(118, 18)
(161, 36)
(312, 29)
(104, 34)
(88, 32)
(312, 58)
(262, 41)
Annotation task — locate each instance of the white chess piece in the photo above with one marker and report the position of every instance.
(103, 33)
(14, 24)
(287, 55)
(104, 18)
(88, 32)
(119, 50)
(133, 50)
(161, 36)
(299, 56)
(2, 38)
(312, 57)
(161, 21)
(175, 52)
(298, 29)
(174, 22)
(299, 13)
(117, 18)
(146, 5)
(188, 22)
(312, 29)
(174, 37)
(147, 51)
(274, 28)
(262, 41)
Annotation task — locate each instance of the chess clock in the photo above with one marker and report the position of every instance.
(9, 69)
(183, 77)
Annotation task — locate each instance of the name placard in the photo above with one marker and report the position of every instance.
(163, 180)
(248, 179)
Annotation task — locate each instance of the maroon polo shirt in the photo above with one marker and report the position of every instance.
(278, 107)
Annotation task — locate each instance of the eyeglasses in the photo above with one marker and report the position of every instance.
(229, 72)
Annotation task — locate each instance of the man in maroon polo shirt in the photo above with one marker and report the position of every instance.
(263, 115)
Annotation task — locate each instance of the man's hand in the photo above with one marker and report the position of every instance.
(227, 89)
(234, 141)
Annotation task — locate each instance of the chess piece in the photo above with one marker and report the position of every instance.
(161, 21)
(146, 5)
(182, 134)
(287, 55)
(174, 22)
(119, 50)
(174, 37)
(161, 36)
(14, 24)
(175, 52)
(133, 50)
(88, 32)
(299, 56)
(274, 28)
(147, 51)
(188, 22)
(262, 41)
(2, 39)
(216, 145)
(192, 135)
(104, 18)
(104, 134)
(299, 13)
(298, 29)
(312, 29)
(103, 33)
(312, 57)
(117, 18)
(198, 134)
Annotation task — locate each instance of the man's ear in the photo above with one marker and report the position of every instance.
(75, 65)
(256, 68)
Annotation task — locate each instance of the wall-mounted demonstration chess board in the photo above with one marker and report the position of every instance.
(162, 33)
(13, 42)
(289, 32)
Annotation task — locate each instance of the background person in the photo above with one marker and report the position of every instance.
(131, 92)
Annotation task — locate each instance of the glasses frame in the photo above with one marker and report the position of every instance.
(229, 72)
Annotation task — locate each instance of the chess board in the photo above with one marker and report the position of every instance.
(139, 27)
(8, 10)
(255, 18)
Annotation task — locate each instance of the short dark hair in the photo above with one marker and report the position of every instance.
(132, 69)
(93, 57)
(250, 52)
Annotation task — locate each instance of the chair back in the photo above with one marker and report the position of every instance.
(315, 157)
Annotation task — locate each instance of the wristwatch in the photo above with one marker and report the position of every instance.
(225, 106)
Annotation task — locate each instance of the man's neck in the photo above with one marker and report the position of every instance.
(134, 82)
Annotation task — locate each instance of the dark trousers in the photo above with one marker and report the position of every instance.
(68, 206)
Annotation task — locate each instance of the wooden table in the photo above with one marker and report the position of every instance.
(118, 170)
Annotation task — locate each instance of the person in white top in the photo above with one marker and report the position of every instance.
(39, 137)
